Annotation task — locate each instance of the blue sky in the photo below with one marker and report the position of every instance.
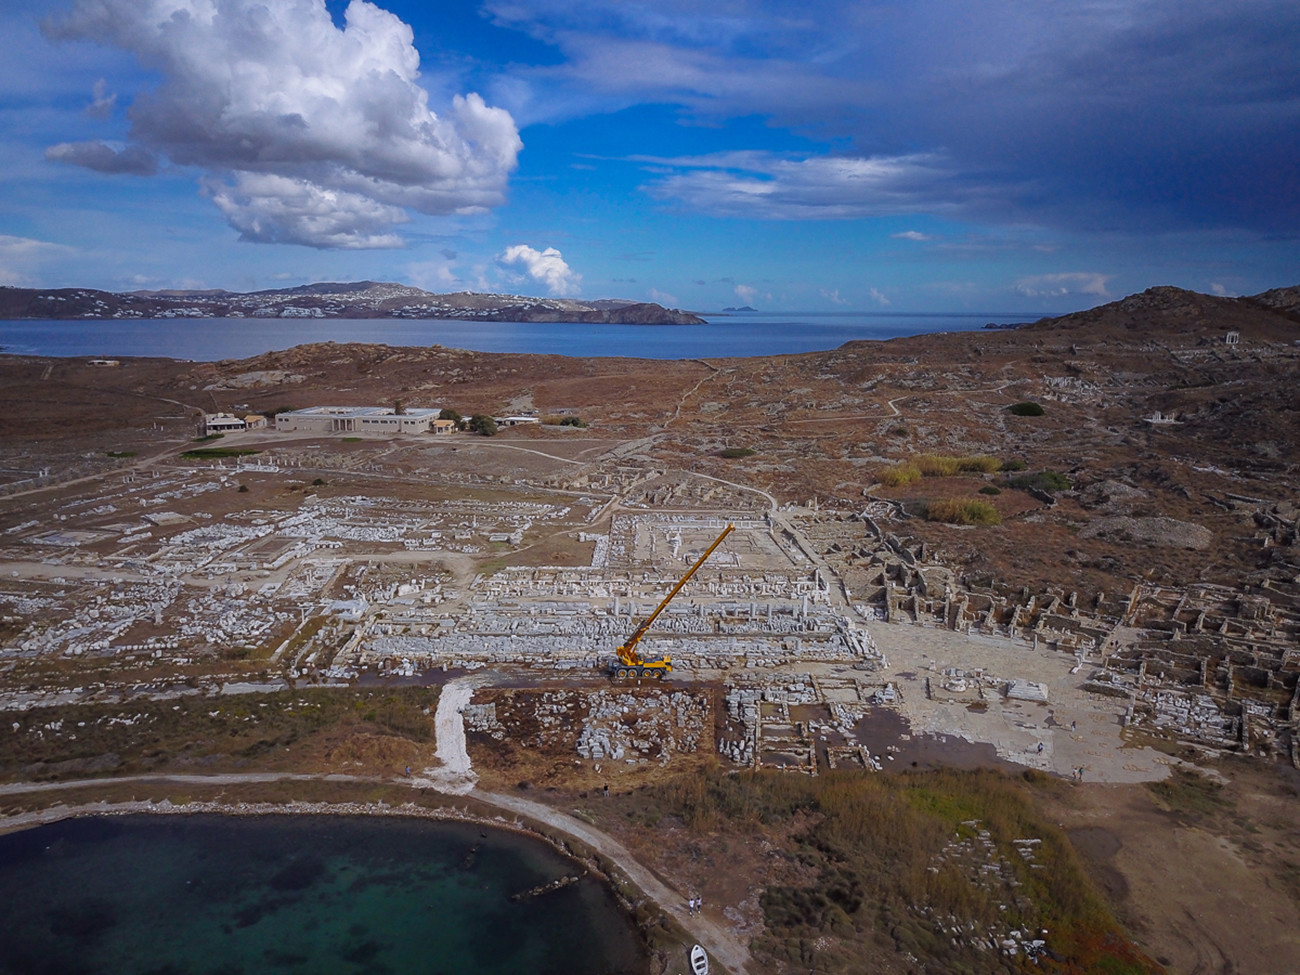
(934, 155)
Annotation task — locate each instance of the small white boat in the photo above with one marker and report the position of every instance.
(699, 961)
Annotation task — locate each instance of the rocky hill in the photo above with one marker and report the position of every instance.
(1285, 300)
(1167, 312)
(358, 299)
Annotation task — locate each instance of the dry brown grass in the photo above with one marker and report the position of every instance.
(872, 853)
(900, 475)
(936, 465)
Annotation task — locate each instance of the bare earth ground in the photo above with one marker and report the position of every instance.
(1203, 877)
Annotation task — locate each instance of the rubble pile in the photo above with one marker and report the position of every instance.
(634, 728)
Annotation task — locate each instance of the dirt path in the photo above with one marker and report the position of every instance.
(719, 943)
(454, 776)
(527, 450)
(690, 392)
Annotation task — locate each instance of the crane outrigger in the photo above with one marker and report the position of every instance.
(630, 663)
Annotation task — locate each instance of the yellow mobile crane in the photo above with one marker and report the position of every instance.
(630, 663)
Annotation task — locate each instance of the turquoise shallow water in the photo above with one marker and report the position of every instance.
(280, 894)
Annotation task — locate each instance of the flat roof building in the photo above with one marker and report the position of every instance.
(356, 419)
(222, 423)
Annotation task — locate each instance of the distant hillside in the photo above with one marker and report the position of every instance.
(360, 299)
(1286, 300)
(1270, 316)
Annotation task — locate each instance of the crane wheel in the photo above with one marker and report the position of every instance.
(622, 673)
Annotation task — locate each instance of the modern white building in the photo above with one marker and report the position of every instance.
(356, 419)
(222, 423)
(515, 421)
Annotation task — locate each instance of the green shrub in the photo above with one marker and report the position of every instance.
(899, 475)
(573, 421)
(1015, 464)
(1027, 408)
(482, 424)
(990, 490)
(731, 453)
(1043, 480)
(449, 414)
(243, 489)
(210, 436)
(962, 511)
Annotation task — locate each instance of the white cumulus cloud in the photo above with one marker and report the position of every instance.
(911, 235)
(103, 158)
(545, 267)
(834, 297)
(272, 209)
(22, 258)
(746, 293)
(875, 295)
(662, 297)
(103, 101)
(322, 136)
(1059, 285)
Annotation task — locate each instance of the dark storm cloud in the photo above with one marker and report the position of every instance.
(1092, 115)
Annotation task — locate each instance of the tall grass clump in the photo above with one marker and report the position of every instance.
(962, 511)
(899, 475)
(935, 465)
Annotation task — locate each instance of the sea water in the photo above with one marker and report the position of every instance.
(215, 895)
(209, 339)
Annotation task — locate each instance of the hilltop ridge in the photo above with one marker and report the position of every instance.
(1179, 311)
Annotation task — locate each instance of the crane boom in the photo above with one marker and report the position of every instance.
(628, 655)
